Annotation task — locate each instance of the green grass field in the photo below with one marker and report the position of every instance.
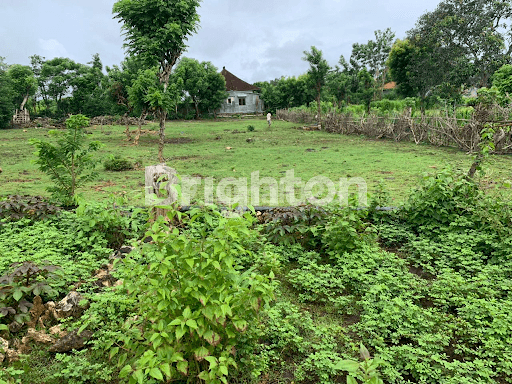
(199, 148)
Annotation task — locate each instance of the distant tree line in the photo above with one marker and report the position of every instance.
(460, 45)
(59, 87)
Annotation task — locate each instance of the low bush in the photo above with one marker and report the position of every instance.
(117, 163)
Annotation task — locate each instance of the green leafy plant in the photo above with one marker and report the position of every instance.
(294, 225)
(366, 371)
(197, 312)
(25, 281)
(69, 163)
(250, 128)
(16, 207)
(117, 163)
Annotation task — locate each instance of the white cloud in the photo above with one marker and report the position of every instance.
(52, 48)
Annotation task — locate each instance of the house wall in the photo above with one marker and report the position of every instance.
(253, 103)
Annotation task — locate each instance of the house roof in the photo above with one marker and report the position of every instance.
(391, 85)
(233, 83)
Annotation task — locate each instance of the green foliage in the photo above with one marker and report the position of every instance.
(108, 223)
(250, 128)
(195, 307)
(441, 199)
(6, 96)
(202, 83)
(117, 163)
(15, 207)
(502, 79)
(346, 231)
(17, 287)
(24, 83)
(318, 69)
(293, 225)
(366, 371)
(69, 163)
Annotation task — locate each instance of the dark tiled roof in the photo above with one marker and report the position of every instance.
(233, 83)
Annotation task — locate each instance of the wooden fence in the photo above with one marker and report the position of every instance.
(436, 130)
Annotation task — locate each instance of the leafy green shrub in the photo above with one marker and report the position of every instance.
(69, 163)
(107, 222)
(55, 242)
(15, 207)
(346, 231)
(440, 200)
(250, 128)
(195, 308)
(294, 225)
(117, 163)
(24, 282)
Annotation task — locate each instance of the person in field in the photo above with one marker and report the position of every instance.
(269, 119)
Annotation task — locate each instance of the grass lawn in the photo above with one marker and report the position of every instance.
(199, 148)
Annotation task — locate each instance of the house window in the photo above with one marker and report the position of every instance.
(229, 100)
(241, 101)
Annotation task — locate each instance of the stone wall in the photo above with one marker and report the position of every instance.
(21, 117)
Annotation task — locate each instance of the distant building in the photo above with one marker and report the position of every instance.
(242, 98)
(388, 87)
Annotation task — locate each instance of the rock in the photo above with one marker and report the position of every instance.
(125, 249)
(69, 306)
(36, 311)
(12, 355)
(1, 170)
(71, 341)
(15, 327)
(37, 336)
(56, 330)
(4, 347)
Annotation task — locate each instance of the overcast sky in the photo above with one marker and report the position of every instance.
(255, 40)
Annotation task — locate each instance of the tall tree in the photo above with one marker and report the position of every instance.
(415, 70)
(318, 69)
(6, 99)
(157, 31)
(203, 83)
(90, 90)
(468, 39)
(373, 55)
(56, 80)
(24, 84)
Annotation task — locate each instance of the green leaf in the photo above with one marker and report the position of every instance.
(200, 353)
(125, 371)
(156, 373)
(180, 332)
(139, 376)
(191, 323)
(183, 367)
(223, 369)
(351, 380)
(347, 365)
(17, 294)
(166, 369)
(113, 352)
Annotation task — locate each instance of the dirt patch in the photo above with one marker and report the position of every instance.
(179, 140)
(99, 187)
(418, 271)
(184, 157)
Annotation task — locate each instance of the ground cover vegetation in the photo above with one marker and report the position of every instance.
(415, 295)
(199, 149)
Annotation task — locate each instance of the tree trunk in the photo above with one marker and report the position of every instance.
(139, 128)
(319, 113)
(25, 99)
(163, 115)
